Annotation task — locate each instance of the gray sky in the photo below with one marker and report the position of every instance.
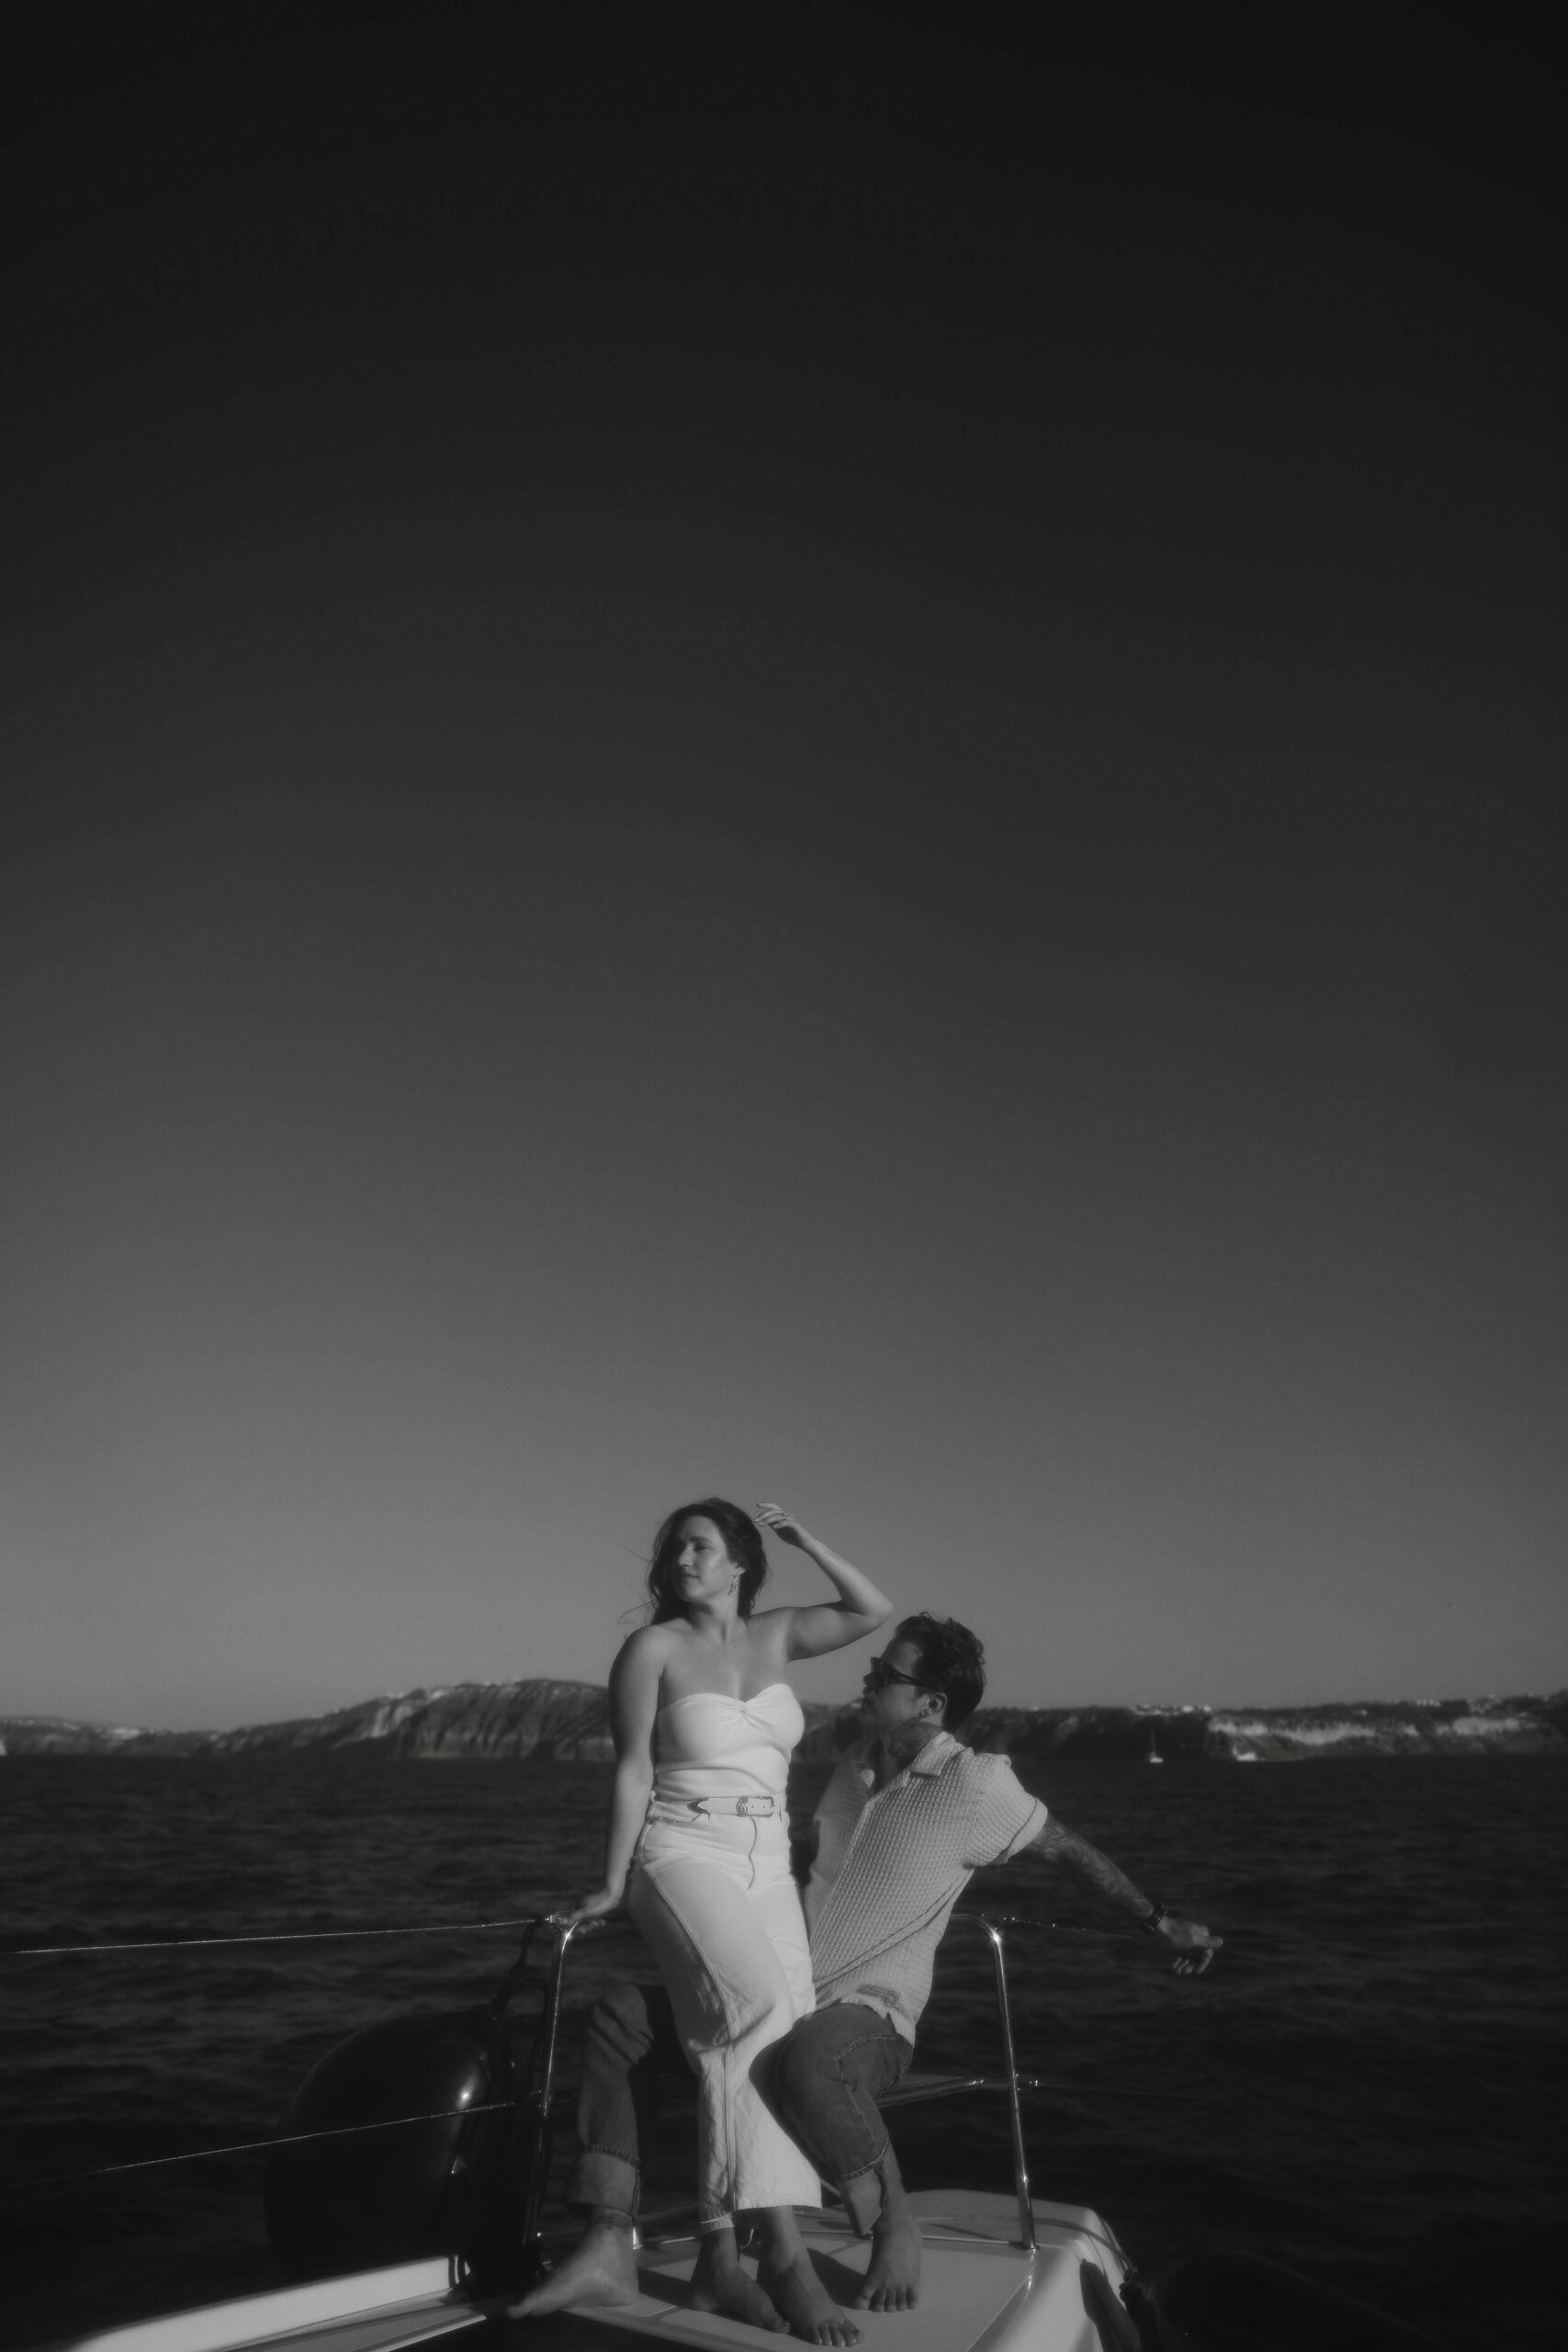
(854, 821)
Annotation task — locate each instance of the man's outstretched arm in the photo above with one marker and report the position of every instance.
(1193, 1945)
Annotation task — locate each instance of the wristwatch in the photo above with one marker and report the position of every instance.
(1150, 1924)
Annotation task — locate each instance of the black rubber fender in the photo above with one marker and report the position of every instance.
(369, 2197)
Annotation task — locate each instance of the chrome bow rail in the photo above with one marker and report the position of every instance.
(911, 2090)
(914, 2087)
(535, 2096)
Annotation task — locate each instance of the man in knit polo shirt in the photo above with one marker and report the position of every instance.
(908, 1816)
(874, 1934)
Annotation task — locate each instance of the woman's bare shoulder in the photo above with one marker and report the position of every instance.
(637, 1678)
(644, 1652)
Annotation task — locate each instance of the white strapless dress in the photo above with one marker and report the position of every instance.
(712, 1892)
(710, 1745)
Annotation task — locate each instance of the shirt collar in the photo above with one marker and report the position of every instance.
(927, 1762)
(935, 1755)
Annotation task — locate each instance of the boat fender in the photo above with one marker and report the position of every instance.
(367, 2199)
(1117, 2329)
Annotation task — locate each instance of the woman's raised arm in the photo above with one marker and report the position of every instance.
(828, 1624)
(634, 1704)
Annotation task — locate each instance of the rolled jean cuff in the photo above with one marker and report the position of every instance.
(864, 2193)
(601, 2178)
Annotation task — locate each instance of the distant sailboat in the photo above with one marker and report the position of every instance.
(1154, 1756)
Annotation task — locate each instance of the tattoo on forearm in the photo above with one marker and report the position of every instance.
(1057, 1843)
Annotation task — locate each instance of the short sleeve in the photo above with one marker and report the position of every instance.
(1005, 1817)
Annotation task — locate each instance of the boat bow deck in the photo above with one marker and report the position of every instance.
(981, 2292)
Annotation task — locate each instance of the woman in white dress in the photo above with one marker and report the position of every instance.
(698, 1849)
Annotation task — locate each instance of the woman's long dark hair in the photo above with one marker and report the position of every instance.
(742, 1541)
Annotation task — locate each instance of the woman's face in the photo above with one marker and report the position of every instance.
(703, 1570)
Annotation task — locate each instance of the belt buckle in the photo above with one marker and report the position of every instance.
(746, 1806)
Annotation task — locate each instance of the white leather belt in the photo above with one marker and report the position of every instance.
(756, 1806)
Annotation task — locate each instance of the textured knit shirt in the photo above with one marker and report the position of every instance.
(891, 1865)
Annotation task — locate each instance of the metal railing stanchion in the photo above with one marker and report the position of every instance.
(543, 2072)
(993, 1934)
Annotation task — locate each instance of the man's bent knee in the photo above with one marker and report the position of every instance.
(799, 2081)
(619, 2018)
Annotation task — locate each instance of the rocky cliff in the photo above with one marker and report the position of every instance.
(1280, 1735)
(58, 1735)
(570, 1722)
(539, 1719)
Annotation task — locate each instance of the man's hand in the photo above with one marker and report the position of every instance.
(1193, 1945)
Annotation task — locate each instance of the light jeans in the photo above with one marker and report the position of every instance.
(714, 1899)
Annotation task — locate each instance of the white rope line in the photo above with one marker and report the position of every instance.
(250, 2148)
(1094, 1929)
(442, 1928)
(305, 1936)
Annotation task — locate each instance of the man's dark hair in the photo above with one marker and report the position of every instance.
(742, 1541)
(952, 1661)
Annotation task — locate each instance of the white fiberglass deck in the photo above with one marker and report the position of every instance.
(979, 2292)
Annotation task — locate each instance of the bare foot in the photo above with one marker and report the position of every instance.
(721, 2283)
(601, 2268)
(893, 2275)
(809, 2312)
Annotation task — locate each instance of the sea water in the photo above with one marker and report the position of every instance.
(1367, 2086)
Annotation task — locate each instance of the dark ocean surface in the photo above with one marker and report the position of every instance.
(1368, 2086)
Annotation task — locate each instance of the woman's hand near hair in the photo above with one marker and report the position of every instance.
(784, 1524)
(861, 1608)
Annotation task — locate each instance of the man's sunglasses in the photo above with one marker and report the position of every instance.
(879, 1674)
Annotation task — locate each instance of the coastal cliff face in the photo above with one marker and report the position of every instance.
(569, 1721)
(58, 1735)
(1516, 1727)
(541, 1718)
